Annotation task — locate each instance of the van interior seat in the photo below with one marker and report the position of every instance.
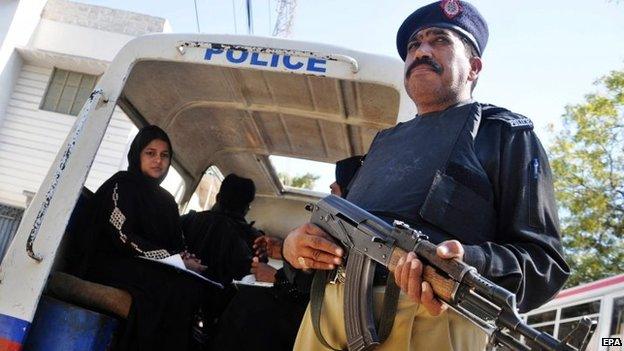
(91, 295)
(66, 286)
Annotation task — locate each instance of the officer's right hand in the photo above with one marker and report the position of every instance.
(309, 247)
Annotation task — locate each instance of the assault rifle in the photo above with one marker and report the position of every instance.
(367, 239)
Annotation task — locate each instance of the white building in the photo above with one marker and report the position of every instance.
(51, 54)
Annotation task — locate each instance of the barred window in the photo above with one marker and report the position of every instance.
(67, 91)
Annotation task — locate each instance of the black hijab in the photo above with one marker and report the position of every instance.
(235, 194)
(345, 172)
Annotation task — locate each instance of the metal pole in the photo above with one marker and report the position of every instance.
(196, 16)
(269, 7)
(235, 23)
(249, 18)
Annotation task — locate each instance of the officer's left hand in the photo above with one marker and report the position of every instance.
(408, 276)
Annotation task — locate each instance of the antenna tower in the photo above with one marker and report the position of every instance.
(285, 18)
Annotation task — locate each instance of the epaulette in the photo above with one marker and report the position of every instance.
(513, 120)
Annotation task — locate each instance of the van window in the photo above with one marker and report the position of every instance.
(174, 184)
(300, 174)
(206, 193)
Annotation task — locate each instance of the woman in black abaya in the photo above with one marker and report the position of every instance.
(134, 218)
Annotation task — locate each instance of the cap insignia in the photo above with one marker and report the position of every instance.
(451, 8)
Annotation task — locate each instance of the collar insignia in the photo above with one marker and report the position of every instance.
(451, 8)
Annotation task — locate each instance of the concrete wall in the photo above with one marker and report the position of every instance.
(85, 42)
(102, 18)
(7, 11)
(96, 32)
(24, 16)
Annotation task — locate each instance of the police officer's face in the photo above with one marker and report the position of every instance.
(438, 68)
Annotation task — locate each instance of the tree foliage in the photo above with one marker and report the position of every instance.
(305, 181)
(588, 165)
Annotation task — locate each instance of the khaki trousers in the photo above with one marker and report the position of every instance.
(414, 328)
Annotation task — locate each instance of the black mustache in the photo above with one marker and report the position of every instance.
(425, 60)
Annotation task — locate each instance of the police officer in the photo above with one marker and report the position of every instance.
(473, 176)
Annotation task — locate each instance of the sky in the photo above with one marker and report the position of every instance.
(541, 55)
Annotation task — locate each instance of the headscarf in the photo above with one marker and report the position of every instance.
(345, 171)
(145, 136)
(236, 193)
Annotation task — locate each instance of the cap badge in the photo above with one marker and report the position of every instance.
(451, 8)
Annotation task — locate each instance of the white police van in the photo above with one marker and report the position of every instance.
(229, 102)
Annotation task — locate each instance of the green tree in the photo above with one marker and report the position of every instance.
(305, 181)
(588, 164)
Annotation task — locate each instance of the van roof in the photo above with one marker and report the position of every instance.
(232, 101)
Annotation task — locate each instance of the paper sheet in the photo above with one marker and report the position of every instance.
(250, 280)
(177, 262)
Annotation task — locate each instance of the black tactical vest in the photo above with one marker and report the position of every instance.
(425, 172)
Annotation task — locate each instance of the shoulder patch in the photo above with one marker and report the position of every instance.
(511, 119)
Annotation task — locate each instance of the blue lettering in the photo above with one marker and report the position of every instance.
(255, 60)
(230, 56)
(290, 65)
(312, 65)
(209, 53)
(274, 60)
(240, 56)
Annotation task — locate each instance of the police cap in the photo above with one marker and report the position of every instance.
(457, 15)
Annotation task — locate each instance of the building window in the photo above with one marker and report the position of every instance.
(67, 91)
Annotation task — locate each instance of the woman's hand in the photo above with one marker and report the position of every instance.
(192, 263)
(268, 246)
(262, 271)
